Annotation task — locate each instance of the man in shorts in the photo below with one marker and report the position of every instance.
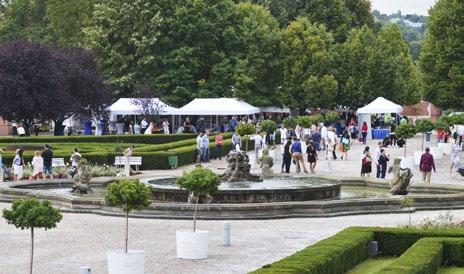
(47, 156)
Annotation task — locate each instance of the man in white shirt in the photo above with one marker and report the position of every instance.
(376, 159)
(323, 136)
(332, 141)
(283, 135)
(258, 144)
(143, 125)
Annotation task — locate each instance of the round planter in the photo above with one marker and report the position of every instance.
(417, 157)
(122, 263)
(437, 152)
(407, 162)
(192, 245)
(447, 148)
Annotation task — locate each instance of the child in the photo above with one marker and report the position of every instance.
(37, 164)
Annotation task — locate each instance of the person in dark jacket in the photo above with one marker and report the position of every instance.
(47, 156)
(287, 156)
(426, 165)
(383, 160)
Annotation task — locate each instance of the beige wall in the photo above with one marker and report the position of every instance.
(5, 128)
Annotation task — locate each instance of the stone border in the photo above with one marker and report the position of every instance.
(443, 197)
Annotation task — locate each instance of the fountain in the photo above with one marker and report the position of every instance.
(238, 168)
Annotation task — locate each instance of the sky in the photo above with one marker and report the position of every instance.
(406, 6)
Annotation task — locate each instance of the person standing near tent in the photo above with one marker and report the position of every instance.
(364, 129)
(149, 129)
(259, 142)
(165, 126)
(205, 146)
(332, 137)
(218, 140)
(426, 165)
(199, 152)
(377, 154)
(143, 125)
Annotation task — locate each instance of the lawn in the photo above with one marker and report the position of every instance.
(451, 270)
(371, 265)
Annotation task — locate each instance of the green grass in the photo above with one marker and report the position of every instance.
(451, 270)
(371, 265)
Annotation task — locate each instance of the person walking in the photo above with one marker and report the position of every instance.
(332, 141)
(324, 136)
(366, 163)
(312, 157)
(346, 142)
(218, 140)
(205, 147)
(283, 135)
(18, 165)
(297, 155)
(383, 160)
(236, 141)
(47, 156)
(393, 137)
(127, 159)
(364, 129)
(199, 150)
(38, 166)
(259, 142)
(426, 165)
(454, 155)
(287, 155)
(165, 126)
(376, 159)
(298, 131)
(316, 137)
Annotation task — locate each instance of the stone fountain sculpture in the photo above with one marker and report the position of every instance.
(238, 168)
(399, 185)
(83, 177)
(266, 162)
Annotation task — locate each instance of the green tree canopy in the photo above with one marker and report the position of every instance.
(441, 57)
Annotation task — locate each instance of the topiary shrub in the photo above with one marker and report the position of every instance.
(128, 195)
(200, 181)
(305, 121)
(423, 126)
(332, 116)
(246, 129)
(268, 126)
(290, 122)
(30, 214)
(405, 131)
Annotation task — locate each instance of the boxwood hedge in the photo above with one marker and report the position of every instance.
(422, 251)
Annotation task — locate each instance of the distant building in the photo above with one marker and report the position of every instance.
(421, 110)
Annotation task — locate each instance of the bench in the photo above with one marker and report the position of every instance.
(120, 161)
(58, 162)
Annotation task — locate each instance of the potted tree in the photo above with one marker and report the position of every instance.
(406, 131)
(425, 126)
(193, 244)
(290, 122)
(269, 127)
(331, 117)
(128, 195)
(30, 214)
(244, 130)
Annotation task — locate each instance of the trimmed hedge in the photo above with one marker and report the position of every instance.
(422, 251)
(337, 254)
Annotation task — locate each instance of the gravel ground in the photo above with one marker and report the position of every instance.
(82, 239)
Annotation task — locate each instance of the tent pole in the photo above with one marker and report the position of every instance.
(217, 121)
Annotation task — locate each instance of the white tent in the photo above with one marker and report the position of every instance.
(126, 106)
(283, 109)
(379, 105)
(217, 106)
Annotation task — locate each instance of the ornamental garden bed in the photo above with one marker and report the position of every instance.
(401, 250)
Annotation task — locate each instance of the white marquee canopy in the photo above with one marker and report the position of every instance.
(217, 106)
(380, 105)
(126, 106)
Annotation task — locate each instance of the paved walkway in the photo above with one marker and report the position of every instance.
(82, 239)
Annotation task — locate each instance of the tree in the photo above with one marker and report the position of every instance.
(66, 19)
(46, 82)
(30, 214)
(148, 101)
(424, 126)
(405, 131)
(290, 122)
(268, 126)
(332, 116)
(246, 129)
(200, 181)
(440, 60)
(307, 65)
(128, 195)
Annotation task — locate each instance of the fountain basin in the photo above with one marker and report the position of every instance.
(279, 189)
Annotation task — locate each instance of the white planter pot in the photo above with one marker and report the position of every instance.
(407, 162)
(417, 157)
(437, 152)
(122, 263)
(447, 148)
(192, 246)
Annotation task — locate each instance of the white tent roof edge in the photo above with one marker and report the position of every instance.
(380, 105)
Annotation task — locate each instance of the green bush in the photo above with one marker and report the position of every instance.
(268, 126)
(332, 116)
(290, 122)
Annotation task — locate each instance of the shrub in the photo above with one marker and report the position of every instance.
(30, 214)
(305, 121)
(290, 122)
(128, 195)
(405, 131)
(332, 116)
(246, 129)
(268, 126)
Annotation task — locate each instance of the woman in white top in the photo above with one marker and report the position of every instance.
(37, 164)
(165, 126)
(454, 155)
(18, 164)
(149, 129)
(127, 156)
(21, 131)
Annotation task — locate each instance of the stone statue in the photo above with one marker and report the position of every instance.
(83, 177)
(238, 168)
(399, 185)
(266, 162)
